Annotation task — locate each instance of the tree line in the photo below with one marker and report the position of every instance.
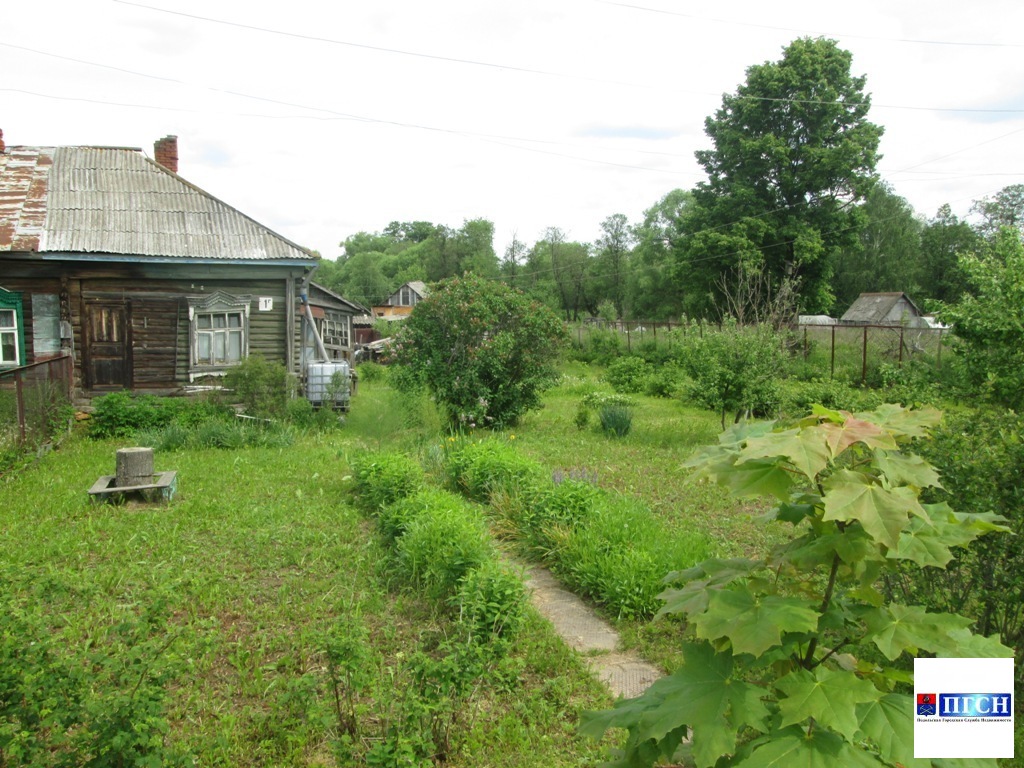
(792, 215)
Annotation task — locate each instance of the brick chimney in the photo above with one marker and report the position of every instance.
(165, 151)
(3, 147)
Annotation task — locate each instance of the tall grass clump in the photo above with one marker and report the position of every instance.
(539, 515)
(383, 477)
(616, 420)
(394, 519)
(491, 602)
(439, 548)
(479, 468)
(620, 554)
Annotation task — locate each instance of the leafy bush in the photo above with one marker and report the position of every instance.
(479, 468)
(441, 546)
(122, 414)
(798, 397)
(598, 400)
(734, 369)
(988, 322)
(665, 381)
(384, 477)
(628, 375)
(616, 420)
(262, 387)
(599, 345)
(484, 350)
(980, 456)
(371, 372)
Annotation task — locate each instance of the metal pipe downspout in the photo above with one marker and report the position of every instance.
(304, 298)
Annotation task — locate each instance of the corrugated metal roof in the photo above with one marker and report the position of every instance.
(874, 307)
(113, 200)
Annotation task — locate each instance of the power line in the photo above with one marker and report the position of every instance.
(377, 48)
(914, 41)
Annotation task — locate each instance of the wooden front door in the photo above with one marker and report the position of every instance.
(108, 352)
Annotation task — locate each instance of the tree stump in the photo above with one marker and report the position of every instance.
(134, 467)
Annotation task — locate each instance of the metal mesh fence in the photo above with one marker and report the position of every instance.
(32, 398)
(852, 352)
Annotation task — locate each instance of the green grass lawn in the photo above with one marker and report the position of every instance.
(219, 607)
(214, 614)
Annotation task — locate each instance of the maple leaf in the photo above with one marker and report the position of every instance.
(883, 512)
(897, 628)
(889, 723)
(902, 469)
(903, 422)
(805, 449)
(693, 596)
(702, 693)
(828, 696)
(758, 478)
(853, 430)
(753, 623)
(792, 748)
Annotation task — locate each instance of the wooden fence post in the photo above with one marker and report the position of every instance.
(832, 372)
(864, 360)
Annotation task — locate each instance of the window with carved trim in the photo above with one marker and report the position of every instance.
(220, 331)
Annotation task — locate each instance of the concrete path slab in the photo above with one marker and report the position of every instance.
(625, 674)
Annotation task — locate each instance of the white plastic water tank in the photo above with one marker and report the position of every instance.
(329, 383)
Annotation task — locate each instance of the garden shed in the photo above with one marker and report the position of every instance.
(883, 309)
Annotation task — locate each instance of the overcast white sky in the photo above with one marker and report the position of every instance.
(321, 119)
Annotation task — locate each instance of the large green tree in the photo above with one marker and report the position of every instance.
(652, 291)
(612, 261)
(887, 256)
(1003, 209)
(988, 322)
(943, 240)
(793, 155)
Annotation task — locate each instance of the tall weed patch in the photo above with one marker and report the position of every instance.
(619, 554)
(439, 548)
(609, 548)
(383, 477)
(478, 468)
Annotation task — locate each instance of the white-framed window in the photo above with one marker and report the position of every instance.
(220, 338)
(334, 330)
(9, 346)
(219, 325)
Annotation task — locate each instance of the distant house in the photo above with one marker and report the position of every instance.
(333, 316)
(149, 282)
(883, 309)
(400, 303)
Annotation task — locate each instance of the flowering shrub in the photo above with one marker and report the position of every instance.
(484, 350)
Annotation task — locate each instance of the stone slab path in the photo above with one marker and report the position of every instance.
(583, 630)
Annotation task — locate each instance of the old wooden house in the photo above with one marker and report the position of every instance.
(149, 282)
(400, 303)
